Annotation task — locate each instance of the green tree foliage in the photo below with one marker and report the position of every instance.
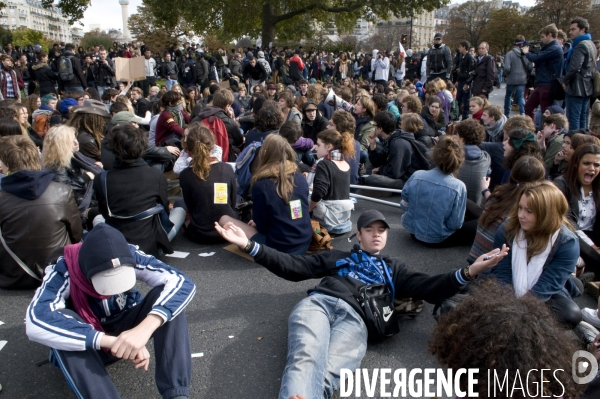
(275, 18)
(503, 27)
(97, 37)
(29, 37)
(155, 32)
(5, 36)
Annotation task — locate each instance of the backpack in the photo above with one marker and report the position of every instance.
(217, 127)
(243, 174)
(41, 123)
(265, 65)
(65, 69)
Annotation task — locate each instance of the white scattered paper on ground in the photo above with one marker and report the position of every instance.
(178, 254)
(231, 336)
(198, 354)
(205, 254)
(2, 343)
(1, 322)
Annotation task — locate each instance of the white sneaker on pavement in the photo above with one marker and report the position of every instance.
(591, 316)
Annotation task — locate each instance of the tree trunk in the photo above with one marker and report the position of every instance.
(268, 24)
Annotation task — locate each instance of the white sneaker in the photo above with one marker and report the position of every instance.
(591, 316)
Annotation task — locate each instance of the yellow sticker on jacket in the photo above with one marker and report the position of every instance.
(220, 193)
(296, 209)
(170, 120)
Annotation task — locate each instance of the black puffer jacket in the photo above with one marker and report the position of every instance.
(310, 130)
(45, 76)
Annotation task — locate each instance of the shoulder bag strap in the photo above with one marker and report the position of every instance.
(16, 259)
(142, 215)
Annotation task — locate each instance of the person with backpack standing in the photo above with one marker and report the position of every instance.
(516, 70)
(439, 60)
(70, 74)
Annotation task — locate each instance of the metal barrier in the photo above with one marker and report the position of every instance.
(387, 190)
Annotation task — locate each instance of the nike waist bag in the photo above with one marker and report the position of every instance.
(377, 304)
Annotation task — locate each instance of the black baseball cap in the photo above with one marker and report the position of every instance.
(370, 216)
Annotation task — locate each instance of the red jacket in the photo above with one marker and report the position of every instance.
(167, 126)
(295, 58)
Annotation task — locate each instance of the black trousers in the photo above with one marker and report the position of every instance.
(565, 309)
(589, 255)
(85, 372)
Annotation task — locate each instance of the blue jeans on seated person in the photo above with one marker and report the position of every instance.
(325, 334)
(262, 239)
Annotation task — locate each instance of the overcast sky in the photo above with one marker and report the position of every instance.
(107, 13)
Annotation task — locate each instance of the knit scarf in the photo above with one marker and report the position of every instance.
(15, 83)
(177, 114)
(477, 115)
(81, 288)
(585, 36)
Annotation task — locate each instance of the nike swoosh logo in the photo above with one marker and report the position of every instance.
(388, 316)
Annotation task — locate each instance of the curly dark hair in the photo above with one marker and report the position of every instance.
(470, 131)
(492, 329)
(128, 142)
(380, 102)
(269, 117)
(528, 148)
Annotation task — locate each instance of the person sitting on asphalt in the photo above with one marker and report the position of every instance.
(551, 138)
(435, 202)
(312, 121)
(399, 155)
(412, 104)
(497, 315)
(208, 185)
(132, 187)
(327, 331)
(89, 314)
(330, 201)
(493, 119)
(477, 162)
(37, 214)
(280, 210)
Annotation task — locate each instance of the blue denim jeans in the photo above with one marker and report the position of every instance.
(169, 83)
(325, 334)
(102, 89)
(577, 109)
(519, 91)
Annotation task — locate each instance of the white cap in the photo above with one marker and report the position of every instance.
(114, 281)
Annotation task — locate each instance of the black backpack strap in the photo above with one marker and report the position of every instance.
(142, 215)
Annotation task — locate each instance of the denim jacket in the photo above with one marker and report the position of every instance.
(557, 269)
(435, 205)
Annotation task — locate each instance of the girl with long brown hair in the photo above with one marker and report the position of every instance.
(208, 185)
(280, 214)
(544, 250)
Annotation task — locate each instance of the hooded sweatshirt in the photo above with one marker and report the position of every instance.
(46, 325)
(475, 167)
(27, 184)
(494, 134)
(310, 129)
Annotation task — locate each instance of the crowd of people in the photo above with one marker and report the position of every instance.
(266, 143)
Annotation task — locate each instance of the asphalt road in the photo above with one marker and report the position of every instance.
(238, 320)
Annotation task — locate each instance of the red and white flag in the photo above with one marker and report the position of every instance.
(401, 50)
